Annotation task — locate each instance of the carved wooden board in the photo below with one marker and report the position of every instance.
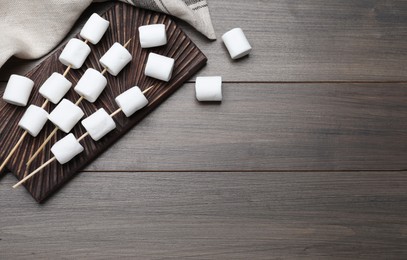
(124, 22)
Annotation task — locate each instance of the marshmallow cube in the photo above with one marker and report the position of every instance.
(65, 115)
(152, 35)
(74, 53)
(99, 124)
(18, 90)
(236, 43)
(55, 87)
(91, 85)
(66, 149)
(159, 67)
(33, 120)
(208, 88)
(131, 100)
(94, 28)
(115, 59)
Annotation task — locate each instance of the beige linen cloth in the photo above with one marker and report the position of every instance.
(30, 29)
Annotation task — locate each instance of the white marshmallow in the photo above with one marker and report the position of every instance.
(131, 100)
(55, 87)
(236, 43)
(94, 28)
(18, 90)
(115, 59)
(208, 88)
(99, 124)
(91, 85)
(66, 149)
(74, 53)
(33, 120)
(159, 67)
(65, 115)
(152, 35)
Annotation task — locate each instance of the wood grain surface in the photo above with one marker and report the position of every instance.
(309, 40)
(124, 21)
(303, 159)
(271, 127)
(222, 215)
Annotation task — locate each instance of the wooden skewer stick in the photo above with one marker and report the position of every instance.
(67, 70)
(42, 146)
(127, 43)
(147, 89)
(83, 136)
(13, 150)
(79, 100)
(45, 103)
(31, 159)
(34, 172)
(53, 158)
(116, 112)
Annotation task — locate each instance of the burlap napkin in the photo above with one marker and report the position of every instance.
(31, 29)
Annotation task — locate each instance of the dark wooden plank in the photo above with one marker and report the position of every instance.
(310, 40)
(220, 215)
(124, 21)
(270, 127)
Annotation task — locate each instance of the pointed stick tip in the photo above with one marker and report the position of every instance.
(3, 165)
(146, 90)
(34, 172)
(127, 43)
(39, 149)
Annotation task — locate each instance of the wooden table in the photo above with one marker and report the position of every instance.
(305, 157)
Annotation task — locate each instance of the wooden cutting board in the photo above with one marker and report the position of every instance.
(124, 22)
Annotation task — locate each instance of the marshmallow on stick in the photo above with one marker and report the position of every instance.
(94, 28)
(152, 35)
(56, 86)
(18, 90)
(97, 126)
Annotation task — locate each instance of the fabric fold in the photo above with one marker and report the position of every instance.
(31, 29)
